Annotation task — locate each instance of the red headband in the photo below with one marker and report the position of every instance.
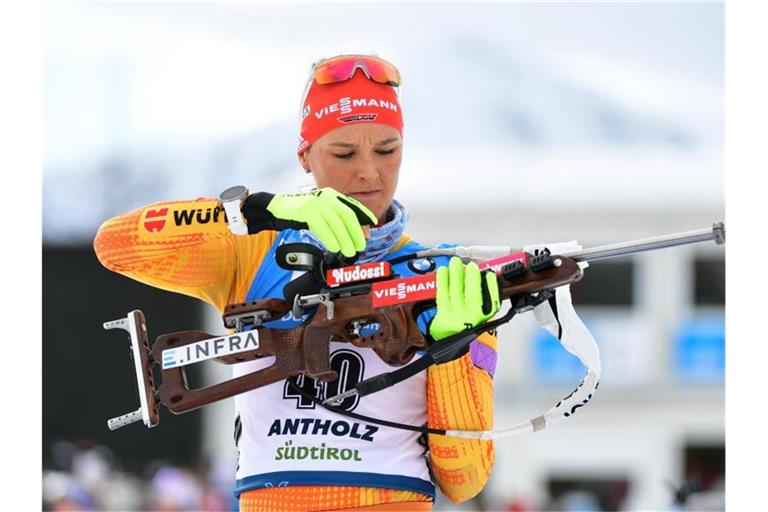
(357, 100)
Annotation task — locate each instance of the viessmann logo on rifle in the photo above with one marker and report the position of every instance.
(362, 272)
(407, 289)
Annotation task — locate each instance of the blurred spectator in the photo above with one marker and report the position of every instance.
(61, 491)
(174, 489)
(86, 478)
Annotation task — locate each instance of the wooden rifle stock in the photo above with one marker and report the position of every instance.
(305, 349)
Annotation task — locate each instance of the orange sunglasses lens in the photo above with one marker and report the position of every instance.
(339, 69)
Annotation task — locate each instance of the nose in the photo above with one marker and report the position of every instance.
(366, 170)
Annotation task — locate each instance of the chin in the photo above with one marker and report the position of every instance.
(380, 211)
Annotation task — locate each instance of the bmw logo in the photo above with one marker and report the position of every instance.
(422, 266)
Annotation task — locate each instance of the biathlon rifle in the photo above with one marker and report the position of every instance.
(365, 305)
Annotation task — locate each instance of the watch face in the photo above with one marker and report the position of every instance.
(234, 193)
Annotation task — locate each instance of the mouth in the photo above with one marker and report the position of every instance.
(365, 194)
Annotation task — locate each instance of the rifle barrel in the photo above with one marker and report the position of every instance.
(716, 233)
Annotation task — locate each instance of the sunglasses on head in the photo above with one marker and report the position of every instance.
(343, 67)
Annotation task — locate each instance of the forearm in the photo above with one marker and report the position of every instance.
(460, 396)
(180, 246)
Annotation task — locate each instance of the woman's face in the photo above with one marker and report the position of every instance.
(361, 161)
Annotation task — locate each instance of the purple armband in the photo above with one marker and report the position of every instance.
(483, 356)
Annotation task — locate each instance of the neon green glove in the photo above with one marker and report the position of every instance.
(460, 298)
(334, 218)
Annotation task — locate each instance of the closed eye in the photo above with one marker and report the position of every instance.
(385, 151)
(345, 156)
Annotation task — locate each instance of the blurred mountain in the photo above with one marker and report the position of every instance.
(472, 106)
(476, 91)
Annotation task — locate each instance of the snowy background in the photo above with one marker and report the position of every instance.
(524, 123)
(147, 102)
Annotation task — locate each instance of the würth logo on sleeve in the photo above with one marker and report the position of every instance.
(400, 291)
(362, 272)
(154, 220)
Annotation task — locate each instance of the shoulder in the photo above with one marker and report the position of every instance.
(407, 245)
